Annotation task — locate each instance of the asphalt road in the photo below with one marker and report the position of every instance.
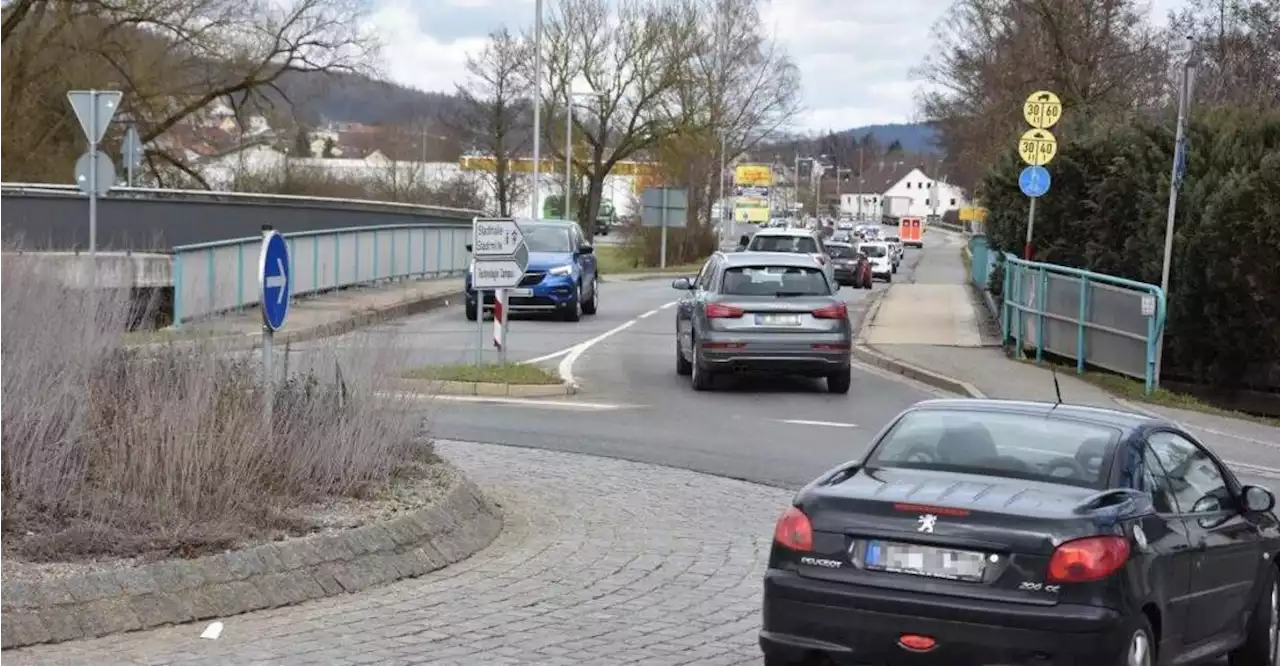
(632, 405)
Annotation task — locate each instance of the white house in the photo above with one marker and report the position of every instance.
(899, 180)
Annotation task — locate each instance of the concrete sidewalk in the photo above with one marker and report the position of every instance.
(934, 331)
(329, 314)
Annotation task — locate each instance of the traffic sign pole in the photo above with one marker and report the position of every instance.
(499, 259)
(500, 324)
(1037, 147)
(93, 181)
(274, 299)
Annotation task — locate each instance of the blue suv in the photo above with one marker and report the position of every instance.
(560, 279)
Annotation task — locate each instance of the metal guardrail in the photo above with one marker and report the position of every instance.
(55, 216)
(1099, 320)
(237, 197)
(211, 278)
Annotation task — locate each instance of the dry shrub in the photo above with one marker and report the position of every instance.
(109, 449)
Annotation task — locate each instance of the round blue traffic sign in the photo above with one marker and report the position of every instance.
(273, 278)
(1034, 181)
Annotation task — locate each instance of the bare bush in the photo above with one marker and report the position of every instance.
(109, 449)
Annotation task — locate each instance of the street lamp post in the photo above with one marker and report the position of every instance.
(537, 107)
(568, 150)
(1179, 168)
(724, 207)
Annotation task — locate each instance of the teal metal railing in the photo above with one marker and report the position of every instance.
(222, 276)
(1098, 320)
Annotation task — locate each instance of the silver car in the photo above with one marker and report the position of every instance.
(762, 312)
(803, 241)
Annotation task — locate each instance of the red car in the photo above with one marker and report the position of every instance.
(852, 269)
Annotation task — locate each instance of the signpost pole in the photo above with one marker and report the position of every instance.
(268, 345)
(479, 326)
(93, 183)
(500, 324)
(662, 261)
(130, 154)
(1031, 225)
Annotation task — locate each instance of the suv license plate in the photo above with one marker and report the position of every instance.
(778, 320)
(520, 293)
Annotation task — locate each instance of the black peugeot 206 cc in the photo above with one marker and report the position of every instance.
(1000, 533)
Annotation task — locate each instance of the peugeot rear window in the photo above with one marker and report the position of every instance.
(873, 250)
(840, 251)
(799, 244)
(1019, 446)
(774, 280)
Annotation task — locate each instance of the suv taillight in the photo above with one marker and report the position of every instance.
(793, 531)
(1088, 559)
(718, 311)
(837, 311)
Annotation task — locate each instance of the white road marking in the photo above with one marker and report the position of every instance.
(583, 346)
(825, 424)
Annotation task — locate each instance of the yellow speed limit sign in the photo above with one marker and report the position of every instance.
(1042, 109)
(1037, 147)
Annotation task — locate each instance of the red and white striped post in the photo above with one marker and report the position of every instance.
(500, 323)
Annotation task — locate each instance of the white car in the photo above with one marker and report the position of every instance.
(895, 244)
(801, 241)
(881, 257)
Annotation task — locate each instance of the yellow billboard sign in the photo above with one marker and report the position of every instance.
(753, 175)
(973, 214)
(751, 209)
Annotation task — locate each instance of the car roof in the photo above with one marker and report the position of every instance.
(547, 223)
(769, 259)
(1127, 421)
(784, 232)
(873, 242)
(836, 243)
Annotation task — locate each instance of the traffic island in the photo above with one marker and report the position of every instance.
(515, 380)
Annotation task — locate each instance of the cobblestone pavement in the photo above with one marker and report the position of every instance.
(600, 562)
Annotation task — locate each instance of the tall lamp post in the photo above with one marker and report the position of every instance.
(568, 149)
(795, 179)
(536, 210)
(1179, 169)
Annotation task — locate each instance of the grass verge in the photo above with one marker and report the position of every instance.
(1135, 391)
(489, 373)
(616, 260)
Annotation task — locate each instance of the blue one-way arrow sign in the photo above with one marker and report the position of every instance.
(273, 277)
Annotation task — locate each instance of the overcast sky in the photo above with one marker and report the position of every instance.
(855, 56)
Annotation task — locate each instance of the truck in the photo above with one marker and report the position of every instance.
(893, 209)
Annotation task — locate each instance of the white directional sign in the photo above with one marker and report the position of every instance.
(500, 253)
(497, 274)
(496, 238)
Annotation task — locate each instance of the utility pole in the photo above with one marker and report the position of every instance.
(536, 210)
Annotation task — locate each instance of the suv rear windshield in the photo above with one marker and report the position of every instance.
(774, 281)
(840, 251)
(800, 244)
(1018, 446)
(873, 250)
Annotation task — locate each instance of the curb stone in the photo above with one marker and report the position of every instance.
(270, 575)
(492, 389)
(347, 323)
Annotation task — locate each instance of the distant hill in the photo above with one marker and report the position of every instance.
(914, 137)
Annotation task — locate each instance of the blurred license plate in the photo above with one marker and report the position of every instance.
(925, 561)
(520, 293)
(778, 320)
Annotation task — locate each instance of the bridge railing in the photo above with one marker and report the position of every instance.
(222, 276)
(1098, 320)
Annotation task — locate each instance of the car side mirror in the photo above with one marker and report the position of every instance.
(468, 247)
(1257, 499)
(586, 249)
(683, 284)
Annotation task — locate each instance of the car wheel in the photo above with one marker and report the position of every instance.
(895, 268)
(590, 306)
(574, 311)
(1262, 639)
(888, 277)
(1140, 649)
(683, 367)
(471, 311)
(701, 378)
(840, 382)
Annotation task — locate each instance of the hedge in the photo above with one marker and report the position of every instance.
(1107, 209)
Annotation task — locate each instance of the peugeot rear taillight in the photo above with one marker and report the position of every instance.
(794, 531)
(1089, 559)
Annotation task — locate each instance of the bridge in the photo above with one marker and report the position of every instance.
(197, 250)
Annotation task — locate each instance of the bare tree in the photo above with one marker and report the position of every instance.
(1098, 56)
(1240, 50)
(492, 104)
(630, 53)
(172, 59)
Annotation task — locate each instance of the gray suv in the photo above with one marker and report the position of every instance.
(762, 312)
